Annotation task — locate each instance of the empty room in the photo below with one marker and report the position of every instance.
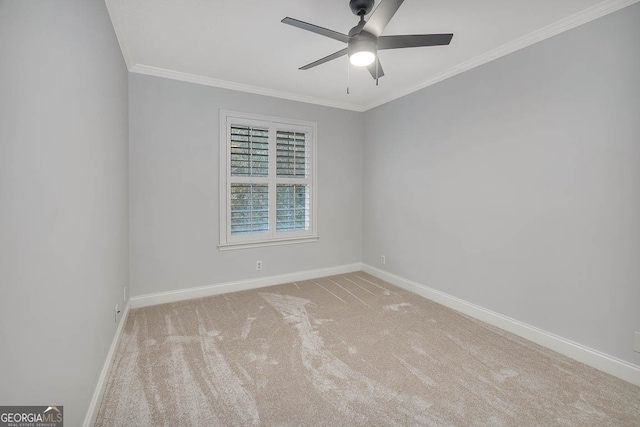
(304, 213)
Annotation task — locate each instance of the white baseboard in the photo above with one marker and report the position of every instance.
(603, 362)
(241, 285)
(94, 405)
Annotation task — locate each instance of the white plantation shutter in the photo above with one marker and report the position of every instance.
(292, 207)
(293, 179)
(249, 189)
(292, 154)
(267, 174)
(249, 151)
(249, 208)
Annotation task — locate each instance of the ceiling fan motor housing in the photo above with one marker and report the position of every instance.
(361, 7)
(363, 41)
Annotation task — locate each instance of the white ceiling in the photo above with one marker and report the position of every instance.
(242, 45)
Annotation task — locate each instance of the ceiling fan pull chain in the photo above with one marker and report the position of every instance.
(348, 76)
(377, 68)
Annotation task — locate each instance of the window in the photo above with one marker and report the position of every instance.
(267, 181)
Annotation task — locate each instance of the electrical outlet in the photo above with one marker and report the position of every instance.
(117, 310)
(636, 342)
(124, 294)
(383, 259)
(258, 265)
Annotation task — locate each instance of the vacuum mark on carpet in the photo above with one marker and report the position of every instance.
(342, 387)
(246, 328)
(396, 307)
(386, 291)
(316, 283)
(350, 293)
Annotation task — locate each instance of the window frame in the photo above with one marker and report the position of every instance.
(272, 237)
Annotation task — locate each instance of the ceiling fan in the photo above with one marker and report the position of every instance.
(365, 39)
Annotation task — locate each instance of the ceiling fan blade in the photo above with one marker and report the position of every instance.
(417, 40)
(381, 16)
(315, 29)
(372, 69)
(331, 57)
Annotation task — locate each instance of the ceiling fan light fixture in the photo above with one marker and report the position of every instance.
(362, 50)
(362, 58)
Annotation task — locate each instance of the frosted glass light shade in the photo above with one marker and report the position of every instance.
(362, 58)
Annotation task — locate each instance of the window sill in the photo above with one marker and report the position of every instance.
(275, 242)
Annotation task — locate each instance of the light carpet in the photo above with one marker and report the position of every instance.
(347, 350)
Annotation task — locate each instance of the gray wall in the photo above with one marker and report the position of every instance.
(516, 185)
(63, 200)
(174, 187)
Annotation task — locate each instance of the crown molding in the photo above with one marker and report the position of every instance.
(225, 84)
(575, 20)
(115, 13)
